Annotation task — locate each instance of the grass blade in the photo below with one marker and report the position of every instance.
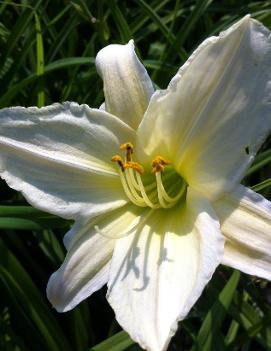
(120, 21)
(262, 185)
(29, 302)
(5, 100)
(215, 317)
(40, 60)
(118, 342)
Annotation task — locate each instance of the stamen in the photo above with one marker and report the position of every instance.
(161, 190)
(158, 164)
(154, 194)
(143, 192)
(160, 196)
(128, 192)
(119, 161)
(140, 186)
(134, 165)
(147, 187)
(129, 150)
(132, 176)
(132, 188)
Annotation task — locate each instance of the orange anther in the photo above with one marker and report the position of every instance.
(129, 150)
(127, 146)
(118, 159)
(134, 165)
(158, 164)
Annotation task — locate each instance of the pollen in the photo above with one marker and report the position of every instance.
(129, 148)
(118, 159)
(158, 164)
(134, 165)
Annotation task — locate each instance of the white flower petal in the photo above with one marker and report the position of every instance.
(59, 157)
(102, 107)
(217, 109)
(158, 273)
(86, 265)
(127, 86)
(84, 271)
(246, 223)
(113, 225)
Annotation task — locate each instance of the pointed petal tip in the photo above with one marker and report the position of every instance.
(52, 294)
(112, 52)
(127, 85)
(247, 17)
(243, 22)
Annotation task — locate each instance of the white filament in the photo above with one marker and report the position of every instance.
(160, 188)
(128, 192)
(144, 194)
(137, 192)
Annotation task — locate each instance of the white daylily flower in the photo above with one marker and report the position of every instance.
(153, 224)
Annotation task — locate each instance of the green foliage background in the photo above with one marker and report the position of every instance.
(47, 52)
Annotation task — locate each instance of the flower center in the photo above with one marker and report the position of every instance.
(146, 190)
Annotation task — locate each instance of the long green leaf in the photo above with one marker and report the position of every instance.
(120, 21)
(262, 160)
(262, 185)
(30, 301)
(31, 224)
(51, 67)
(169, 36)
(28, 218)
(17, 31)
(118, 342)
(215, 317)
(40, 60)
(21, 211)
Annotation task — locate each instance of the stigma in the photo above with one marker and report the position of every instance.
(153, 194)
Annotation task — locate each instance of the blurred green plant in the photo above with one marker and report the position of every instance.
(47, 54)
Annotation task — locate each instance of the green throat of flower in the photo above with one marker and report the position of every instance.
(161, 188)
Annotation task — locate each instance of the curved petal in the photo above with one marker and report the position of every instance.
(127, 85)
(59, 157)
(216, 111)
(158, 273)
(87, 263)
(112, 225)
(246, 223)
(84, 271)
